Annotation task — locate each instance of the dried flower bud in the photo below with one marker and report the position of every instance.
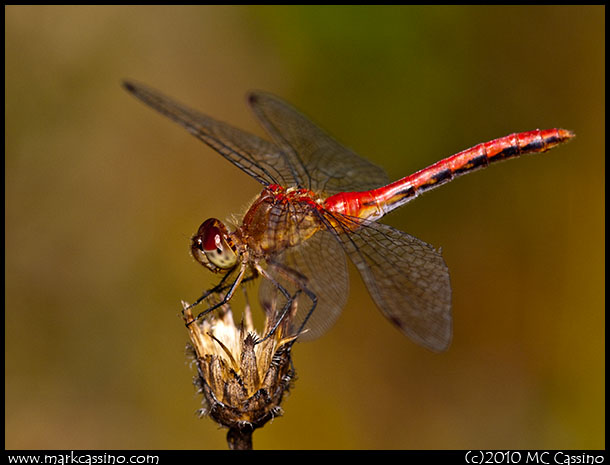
(242, 381)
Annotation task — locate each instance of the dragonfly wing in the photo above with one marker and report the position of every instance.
(321, 266)
(261, 159)
(320, 162)
(407, 278)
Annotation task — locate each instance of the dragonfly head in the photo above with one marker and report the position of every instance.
(212, 246)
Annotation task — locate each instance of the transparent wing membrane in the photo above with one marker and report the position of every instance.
(407, 278)
(257, 157)
(304, 155)
(319, 265)
(322, 164)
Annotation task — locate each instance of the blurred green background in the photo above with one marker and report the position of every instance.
(102, 196)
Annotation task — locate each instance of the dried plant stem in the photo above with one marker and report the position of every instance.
(240, 438)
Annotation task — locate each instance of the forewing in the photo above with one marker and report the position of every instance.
(320, 162)
(261, 159)
(321, 261)
(407, 278)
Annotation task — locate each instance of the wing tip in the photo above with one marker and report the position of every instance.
(435, 342)
(131, 86)
(252, 97)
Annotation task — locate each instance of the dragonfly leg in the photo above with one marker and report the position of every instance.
(300, 281)
(285, 311)
(220, 288)
(215, 290)
(314, 303)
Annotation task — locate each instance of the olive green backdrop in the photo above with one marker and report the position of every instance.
(102, 196)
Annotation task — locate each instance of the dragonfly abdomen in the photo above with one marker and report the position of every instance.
(378, 202)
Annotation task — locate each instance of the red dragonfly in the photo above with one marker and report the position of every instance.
(320, 202)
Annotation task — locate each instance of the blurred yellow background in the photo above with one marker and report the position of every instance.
(102, 196)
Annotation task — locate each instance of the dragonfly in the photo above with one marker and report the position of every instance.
(320, 203)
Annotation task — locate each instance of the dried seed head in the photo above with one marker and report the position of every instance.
(242, 381)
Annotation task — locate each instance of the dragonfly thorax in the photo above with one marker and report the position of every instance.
(279, 218)
(213, 247)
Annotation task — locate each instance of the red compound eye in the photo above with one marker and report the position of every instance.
(211, 246)
(210, 234)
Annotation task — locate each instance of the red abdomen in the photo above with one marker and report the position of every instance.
(377, 202)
